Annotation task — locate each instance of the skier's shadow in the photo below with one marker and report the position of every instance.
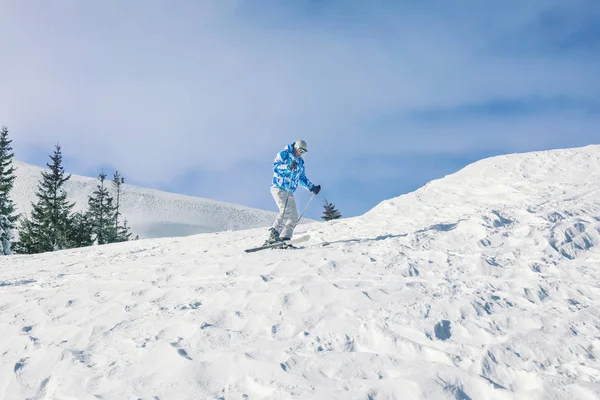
(436, 227)
(366, 240)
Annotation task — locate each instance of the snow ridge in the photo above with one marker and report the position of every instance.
(150, 213)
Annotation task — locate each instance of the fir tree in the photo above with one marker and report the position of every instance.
(6, 235)
(8, 215)
(80, 230)
(330, 212)
(123, 233)
(47, 230)
(118, 180)
(102, 213)
(30, 241)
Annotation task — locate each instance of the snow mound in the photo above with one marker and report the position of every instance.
(480, 285)
(150, 213)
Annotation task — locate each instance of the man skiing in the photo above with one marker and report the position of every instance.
(288, 172)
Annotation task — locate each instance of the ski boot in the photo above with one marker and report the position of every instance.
(273, 237)
(286, 245)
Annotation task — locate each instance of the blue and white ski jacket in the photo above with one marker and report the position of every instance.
(283, 177)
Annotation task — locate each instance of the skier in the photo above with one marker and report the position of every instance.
(288, 172)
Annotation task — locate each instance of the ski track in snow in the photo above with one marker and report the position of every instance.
(481, 285)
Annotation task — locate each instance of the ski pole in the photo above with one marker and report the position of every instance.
(309, 200)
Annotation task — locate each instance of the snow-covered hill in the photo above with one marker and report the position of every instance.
(481, 285)
(151, 213)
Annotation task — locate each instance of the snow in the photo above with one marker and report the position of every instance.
(480, 285)
(150, 213)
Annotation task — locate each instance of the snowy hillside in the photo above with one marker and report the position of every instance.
(481, 285)
(151, 213)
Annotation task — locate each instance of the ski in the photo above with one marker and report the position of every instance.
(313, 246)
(301, 239)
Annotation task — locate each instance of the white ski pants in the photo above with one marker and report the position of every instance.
(285, 221)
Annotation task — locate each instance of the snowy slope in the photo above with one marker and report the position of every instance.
(151, 213)
(481, 285)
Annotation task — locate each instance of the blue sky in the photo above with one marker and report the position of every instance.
(197, 97)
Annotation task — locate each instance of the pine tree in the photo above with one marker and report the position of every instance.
(47, 230)
(330, 212)
(8, 215)
(102, 214)
(30, 238)
(6, 236)
(124, 233)
(118, 180)
(80, 230)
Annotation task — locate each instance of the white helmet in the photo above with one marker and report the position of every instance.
(301, 146)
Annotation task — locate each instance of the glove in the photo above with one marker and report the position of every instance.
(316, 189)
(293, 165)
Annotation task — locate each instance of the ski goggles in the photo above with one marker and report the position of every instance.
(302, 151)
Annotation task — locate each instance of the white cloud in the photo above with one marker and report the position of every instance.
(157, 89)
